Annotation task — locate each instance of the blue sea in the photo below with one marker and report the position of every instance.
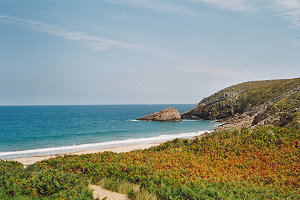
(44, 130)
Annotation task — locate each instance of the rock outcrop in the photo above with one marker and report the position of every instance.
(168, 114)
(252, 103)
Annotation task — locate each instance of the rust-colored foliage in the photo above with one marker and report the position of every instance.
(264, 156)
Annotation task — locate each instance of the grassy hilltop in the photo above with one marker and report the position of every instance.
(274, 102)
(259, 161)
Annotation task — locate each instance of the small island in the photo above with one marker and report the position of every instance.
(167, 114)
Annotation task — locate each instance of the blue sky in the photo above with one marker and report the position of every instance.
(142, 51)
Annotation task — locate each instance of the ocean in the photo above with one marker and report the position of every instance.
(44, 130)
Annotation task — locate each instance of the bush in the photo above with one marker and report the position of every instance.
(254, 163)
(33, 183)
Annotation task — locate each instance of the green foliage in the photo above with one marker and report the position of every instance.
(133, 191)
(279, 96)
(262, 91)
(260, 163)
(34, 183)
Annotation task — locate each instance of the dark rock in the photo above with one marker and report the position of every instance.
(168, 114)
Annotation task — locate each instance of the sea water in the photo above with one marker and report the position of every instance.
(43, 130)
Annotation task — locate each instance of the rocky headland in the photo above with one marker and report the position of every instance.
(167, 114)
(248, 104)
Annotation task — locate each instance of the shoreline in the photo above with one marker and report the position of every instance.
(96, 147)
(26, 161)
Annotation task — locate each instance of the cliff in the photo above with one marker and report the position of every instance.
(168, 114)
(252, 103)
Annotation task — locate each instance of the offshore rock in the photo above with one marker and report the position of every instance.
(167, 114)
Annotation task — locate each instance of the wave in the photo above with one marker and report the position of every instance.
(65, 149)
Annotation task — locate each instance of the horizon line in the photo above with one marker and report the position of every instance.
(98, 104)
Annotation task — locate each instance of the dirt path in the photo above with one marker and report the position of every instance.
(101, 193)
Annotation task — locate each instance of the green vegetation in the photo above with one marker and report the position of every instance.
(263, 91)
(34, 183)
(133, 191)
(259, 163)
(253, 163)
(272, 99)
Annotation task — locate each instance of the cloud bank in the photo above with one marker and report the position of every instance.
(95, 42)
(157, 5)
(287, 9)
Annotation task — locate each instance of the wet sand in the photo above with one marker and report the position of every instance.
(31, 160)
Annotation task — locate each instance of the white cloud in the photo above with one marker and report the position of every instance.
(234, 5)
(201, 68)
(290, 4)
(288, 9)
(97, 43)
(157, 6)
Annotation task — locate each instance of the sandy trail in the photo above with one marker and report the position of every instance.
(101, 193)
(98, 192)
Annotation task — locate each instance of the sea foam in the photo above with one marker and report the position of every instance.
(81, 147)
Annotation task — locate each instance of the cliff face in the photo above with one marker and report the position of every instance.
(168, 114)
(252, 103)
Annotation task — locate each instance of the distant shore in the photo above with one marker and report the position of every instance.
(33, 159)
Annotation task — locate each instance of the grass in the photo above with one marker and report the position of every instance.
(247, 164)
(133, 191)
(35, 183)
(245, 96)
(259, 163)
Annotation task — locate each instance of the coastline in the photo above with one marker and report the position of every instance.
(96, 147)
(29, 160)
(26, 161)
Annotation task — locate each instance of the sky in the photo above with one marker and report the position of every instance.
(71, 52)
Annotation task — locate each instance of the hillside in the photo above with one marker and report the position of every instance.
(261, 162)
(258, 163)
(252, 103)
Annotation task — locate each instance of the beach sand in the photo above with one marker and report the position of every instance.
(31, 160)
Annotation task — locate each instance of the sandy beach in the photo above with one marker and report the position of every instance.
(31, 160)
